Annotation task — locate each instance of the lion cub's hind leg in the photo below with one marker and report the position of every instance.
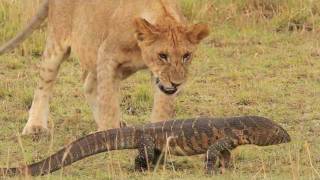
(38, 115)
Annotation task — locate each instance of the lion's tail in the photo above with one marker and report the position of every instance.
(36, 21)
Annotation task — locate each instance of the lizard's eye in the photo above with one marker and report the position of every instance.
(186, 57)
(163, 57)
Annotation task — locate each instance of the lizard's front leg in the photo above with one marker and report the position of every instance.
(158, 158)
(146, 148)
(224, 160)
(108, 92)
(218, 149)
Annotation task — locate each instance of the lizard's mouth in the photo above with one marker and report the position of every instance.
(167, 90)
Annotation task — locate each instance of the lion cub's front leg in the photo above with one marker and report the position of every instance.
(108, 94)
(53, 56)
(163, 106)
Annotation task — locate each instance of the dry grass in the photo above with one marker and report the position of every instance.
(262, 58)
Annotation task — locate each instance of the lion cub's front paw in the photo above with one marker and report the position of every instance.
(122, 124)
(35, 130)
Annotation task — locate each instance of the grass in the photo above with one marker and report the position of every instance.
(262, 58)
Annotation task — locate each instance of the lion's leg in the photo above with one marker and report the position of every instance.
(90, 89)
(108, 94)
(38, 114)
(163, 106)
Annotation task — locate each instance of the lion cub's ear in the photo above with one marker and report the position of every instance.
(145, 31)
(197, 33)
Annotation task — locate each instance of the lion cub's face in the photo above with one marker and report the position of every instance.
(168, 51)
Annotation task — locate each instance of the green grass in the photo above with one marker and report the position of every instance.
(260, 59)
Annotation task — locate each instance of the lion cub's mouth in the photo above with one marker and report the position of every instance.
(167, 90)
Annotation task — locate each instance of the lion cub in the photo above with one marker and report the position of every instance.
(113, 39)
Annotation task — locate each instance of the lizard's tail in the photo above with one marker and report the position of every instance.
(114, 139)
(36, 21)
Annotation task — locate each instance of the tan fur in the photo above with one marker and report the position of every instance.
(113, 39)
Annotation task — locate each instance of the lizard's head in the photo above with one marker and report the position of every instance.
(262, 131)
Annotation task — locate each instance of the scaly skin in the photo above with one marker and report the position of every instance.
(214, 136)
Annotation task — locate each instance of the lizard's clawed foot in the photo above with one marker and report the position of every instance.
(215, 171)
(141, 164)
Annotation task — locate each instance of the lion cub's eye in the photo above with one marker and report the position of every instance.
(186, 57)
(163, 57)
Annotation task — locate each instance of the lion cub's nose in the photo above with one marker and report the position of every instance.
(175, 84)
